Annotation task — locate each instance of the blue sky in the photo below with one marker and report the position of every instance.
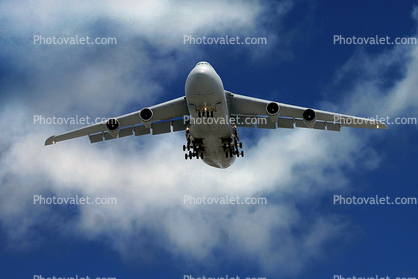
(151, 233)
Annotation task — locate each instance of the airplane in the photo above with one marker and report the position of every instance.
(210, 116)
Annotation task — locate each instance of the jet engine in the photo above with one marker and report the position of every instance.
(272, 109)
(112, 126)
(309, 118)
(146, 115)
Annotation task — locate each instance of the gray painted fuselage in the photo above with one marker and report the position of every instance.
(204, 89)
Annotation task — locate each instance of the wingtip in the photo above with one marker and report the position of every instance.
(382, 126)
(50, 141)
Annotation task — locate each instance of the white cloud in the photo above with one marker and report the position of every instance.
(149, 178)
(371, 93)
(114, 75)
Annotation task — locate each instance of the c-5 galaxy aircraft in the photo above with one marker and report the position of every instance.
(210, 116)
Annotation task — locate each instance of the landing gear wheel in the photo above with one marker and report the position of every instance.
(226, 154)
(184, 148)
(242, 153)
(185, 156)
(201, 156)
(240, 145)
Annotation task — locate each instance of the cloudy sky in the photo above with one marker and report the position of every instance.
(150, 232)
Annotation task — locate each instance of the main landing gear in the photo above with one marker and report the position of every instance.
(232, 145)
(194, 147)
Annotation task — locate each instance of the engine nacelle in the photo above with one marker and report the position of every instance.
(113, 127)
(273, 109)
(309, 118)
(146, 116)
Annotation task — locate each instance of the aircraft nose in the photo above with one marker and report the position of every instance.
(202, 78)
(202, 74)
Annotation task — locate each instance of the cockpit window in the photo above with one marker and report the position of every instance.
(203, 63)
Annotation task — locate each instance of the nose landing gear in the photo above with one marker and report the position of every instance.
(205, 111)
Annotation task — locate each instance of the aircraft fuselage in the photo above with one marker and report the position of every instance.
(210, 127)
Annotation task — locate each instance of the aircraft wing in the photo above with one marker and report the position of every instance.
(163, 117)
(289, 116)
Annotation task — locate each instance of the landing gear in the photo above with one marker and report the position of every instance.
(194, 147)
(232, 145)
(205, 111)
(197, 154)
